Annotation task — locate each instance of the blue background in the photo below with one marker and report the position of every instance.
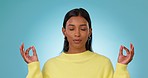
(39, 23)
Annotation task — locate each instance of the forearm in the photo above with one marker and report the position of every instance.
(121, 71)
(34, 70)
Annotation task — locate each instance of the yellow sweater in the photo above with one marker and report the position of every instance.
(81, 65)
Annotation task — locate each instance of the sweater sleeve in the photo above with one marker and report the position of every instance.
(34, 70)
(121, 71)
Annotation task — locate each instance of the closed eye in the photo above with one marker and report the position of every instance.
(83, 29)
(71, 29)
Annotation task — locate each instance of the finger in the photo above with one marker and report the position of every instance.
(121, 50)
(26, 59)
(22, 49)
(132, 49)
(132, 52)
(127, 50)
(131, 45)
(27, 51)
(27, 54)
(34, 51)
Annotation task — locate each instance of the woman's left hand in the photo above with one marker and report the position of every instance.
(125, 59)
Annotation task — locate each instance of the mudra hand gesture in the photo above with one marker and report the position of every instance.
(25, 54)
(125, 59)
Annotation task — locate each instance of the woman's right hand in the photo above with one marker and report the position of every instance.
(25, 54)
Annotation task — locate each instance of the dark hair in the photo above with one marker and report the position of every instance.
(77, 12)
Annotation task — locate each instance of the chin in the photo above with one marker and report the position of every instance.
(77, 46)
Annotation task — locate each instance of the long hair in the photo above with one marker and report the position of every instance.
(78, 12)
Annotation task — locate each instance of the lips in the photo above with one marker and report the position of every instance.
(77, 41)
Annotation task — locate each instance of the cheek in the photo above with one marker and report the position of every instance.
(85, 36)
(69, 36)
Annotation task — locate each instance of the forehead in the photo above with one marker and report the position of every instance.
(77, 19)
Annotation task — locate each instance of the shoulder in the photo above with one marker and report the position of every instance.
(51, 60)
(49, 64)
(101, 58)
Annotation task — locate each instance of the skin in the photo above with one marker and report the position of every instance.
(77, 32)
(25, 54)
(125, 59)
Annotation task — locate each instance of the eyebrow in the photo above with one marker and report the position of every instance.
(71, 25)
(83, 25)
(74, 25)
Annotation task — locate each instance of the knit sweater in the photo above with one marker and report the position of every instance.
(80, 65)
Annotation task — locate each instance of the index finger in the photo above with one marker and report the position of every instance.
(27, 51)
(127, 50)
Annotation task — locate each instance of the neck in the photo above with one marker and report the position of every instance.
(75, 50)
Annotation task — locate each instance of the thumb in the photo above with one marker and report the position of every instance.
(34, 51)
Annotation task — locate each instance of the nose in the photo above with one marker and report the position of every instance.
(77, 33)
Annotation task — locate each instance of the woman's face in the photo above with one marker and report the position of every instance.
(77, 32)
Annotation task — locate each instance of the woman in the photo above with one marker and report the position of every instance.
(77, 59)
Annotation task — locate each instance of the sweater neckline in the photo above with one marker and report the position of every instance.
(75, 54)
(76, 57)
